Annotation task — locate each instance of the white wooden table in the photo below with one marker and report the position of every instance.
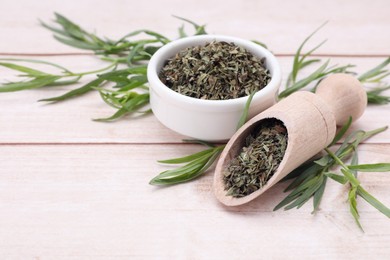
(71, 188)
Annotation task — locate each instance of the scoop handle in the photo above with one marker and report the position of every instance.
(344, 95)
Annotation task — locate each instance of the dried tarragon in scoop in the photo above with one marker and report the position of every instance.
(258, 159)
(217, 71)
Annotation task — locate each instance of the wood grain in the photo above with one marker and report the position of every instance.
(354, 27)
(71, 188)
(93, 201)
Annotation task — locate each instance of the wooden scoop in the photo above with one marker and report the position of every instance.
(310, 120)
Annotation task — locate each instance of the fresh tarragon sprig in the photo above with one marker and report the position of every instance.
(69, 33)
(127, 90)
(128, 49)
(38, 78)
(311, 177)
(356, 189)
(301, 60)
(197, 163)
(376, 76)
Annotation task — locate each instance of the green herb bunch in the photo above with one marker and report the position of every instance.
(122, 84)
(310, 178)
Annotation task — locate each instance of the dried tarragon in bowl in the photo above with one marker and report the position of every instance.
(257, 161)
(217, 71)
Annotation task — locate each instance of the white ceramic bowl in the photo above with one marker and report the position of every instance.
(209, 120)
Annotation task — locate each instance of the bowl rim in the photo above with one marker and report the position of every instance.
(168, 50)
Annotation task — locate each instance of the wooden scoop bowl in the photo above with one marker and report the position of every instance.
(310, 120)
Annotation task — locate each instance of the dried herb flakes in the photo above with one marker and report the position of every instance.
(258, 159)
(217, 71)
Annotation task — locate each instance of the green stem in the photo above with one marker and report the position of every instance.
(91, 72)
(117, 60)
(41, 62)
(374, 132)
(337, 159)
(345, 170)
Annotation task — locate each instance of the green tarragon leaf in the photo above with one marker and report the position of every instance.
(37, 82)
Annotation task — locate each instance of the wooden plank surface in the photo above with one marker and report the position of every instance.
(71, 188)
(281, 24)
(56, 205)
